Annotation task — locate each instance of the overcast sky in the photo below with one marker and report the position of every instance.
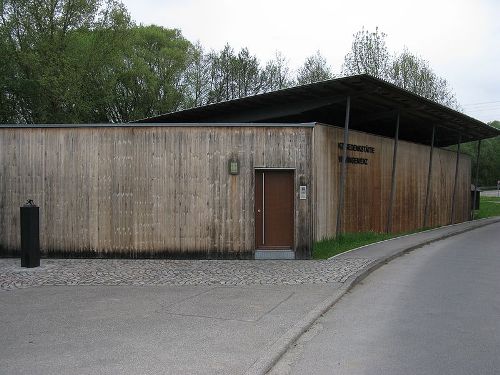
(459, 38)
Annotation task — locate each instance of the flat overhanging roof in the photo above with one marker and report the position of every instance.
(374, 107)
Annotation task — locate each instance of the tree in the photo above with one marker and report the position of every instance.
(85, 61)
(7, 82)
(368, 55)
(220, 75)
(489, 158)
(233, 75)
(43, 41)
(224, 75)
(147, 79)
(247, 74)
(93, 55)
(276, 74)
(196, 77)
(414, 74)
(314, 69)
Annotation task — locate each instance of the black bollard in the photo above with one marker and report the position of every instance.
(30, 235)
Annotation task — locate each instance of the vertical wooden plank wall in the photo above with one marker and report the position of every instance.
(146, 192)
(368, 186)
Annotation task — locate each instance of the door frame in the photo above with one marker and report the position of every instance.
(270, 169)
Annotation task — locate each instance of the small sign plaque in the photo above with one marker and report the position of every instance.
(303, 192)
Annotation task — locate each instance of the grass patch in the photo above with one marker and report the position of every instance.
(324, 249)
(329, 247)
(488, 207)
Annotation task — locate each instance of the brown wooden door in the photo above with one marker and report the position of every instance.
(274, 211)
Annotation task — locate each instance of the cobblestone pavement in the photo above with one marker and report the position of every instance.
(175, 272)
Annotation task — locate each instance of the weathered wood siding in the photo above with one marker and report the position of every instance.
(146, 192)
(368, 187)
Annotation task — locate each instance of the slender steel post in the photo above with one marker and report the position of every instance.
(476, 179)
(429, 174)
(343, 172)
(452, 221)
(393, 178)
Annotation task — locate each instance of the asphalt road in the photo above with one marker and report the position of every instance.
(433, 311)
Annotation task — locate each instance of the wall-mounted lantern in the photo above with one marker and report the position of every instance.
(234, 166)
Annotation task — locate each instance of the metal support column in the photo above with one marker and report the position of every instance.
(343, 172)
(476, 178)
(393, 178)
(429, 174)
(452, 219)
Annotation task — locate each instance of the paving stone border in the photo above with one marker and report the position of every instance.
(67, 272)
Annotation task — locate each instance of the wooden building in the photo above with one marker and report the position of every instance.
(258, 177)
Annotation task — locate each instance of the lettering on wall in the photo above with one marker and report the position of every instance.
(357, 148)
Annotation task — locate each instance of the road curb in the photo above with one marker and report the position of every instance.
(281, 345)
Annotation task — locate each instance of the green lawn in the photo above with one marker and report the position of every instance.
(489, 206)
(329, 247)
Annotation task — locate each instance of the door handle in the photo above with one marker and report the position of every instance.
(258, 211)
